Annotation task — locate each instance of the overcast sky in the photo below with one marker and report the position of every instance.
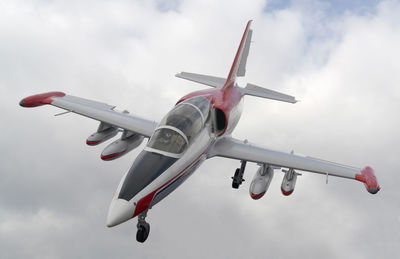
(340, 59)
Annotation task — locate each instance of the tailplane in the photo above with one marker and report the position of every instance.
(212, 81)
(258, 91)
(238, 69)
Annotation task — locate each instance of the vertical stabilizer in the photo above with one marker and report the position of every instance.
(239, 63)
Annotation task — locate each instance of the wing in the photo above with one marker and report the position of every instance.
(92, 109)
(232, 148)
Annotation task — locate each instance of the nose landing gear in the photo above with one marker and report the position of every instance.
(143, 228)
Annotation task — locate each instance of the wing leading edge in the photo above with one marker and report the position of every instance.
(92, 109)
(232, 148)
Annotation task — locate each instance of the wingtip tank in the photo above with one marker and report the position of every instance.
(39, 99)
(367, 176)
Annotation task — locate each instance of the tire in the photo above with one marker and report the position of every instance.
(235, 184)
(142, 233)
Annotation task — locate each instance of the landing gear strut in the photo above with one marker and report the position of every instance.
(237, 178)
(143, 228)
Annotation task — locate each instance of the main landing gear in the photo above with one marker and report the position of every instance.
(237, 178)
(143, 228)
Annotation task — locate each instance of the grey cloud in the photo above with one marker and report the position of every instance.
(55, 191)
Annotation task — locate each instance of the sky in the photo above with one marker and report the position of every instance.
(339, 58)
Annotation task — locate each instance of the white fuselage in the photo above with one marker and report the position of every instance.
(195, 154)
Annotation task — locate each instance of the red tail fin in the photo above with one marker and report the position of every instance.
(239, 63)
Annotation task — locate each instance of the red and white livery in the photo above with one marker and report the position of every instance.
(198, 127)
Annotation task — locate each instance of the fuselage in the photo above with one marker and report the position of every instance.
(179, 145)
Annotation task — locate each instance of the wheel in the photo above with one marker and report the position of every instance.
(235, 183)
(142, 232)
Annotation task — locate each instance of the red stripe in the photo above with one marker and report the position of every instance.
(92, 143)
(144, 203)
(285, 192)
(256, 196)
(110, 156)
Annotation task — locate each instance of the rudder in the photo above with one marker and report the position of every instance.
(238, 67)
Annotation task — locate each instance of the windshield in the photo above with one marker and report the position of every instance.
(180, 125)
(168, 140)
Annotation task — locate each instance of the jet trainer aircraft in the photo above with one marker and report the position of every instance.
(198, 127)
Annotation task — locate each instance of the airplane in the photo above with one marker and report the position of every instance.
(197, 128)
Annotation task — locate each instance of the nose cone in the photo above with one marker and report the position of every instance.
(120, 211)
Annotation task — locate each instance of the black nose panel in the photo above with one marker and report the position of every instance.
(146, 168)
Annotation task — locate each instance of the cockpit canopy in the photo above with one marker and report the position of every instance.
(180, 125)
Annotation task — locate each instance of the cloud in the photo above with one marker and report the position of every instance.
(55, 191)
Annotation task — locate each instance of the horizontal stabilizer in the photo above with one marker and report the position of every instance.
(212, 81)
(254, 90)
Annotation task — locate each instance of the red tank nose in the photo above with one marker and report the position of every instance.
(40, 99)
(368, 177)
